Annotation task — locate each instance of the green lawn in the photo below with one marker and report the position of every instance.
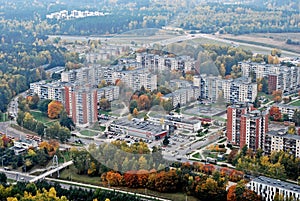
(97, 127)
(39, 116)
(89, 133)
(196, 155)
(297, 103)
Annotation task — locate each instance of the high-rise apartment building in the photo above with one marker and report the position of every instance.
(83, 105)
(246, 126)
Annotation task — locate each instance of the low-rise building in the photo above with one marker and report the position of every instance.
(268, 188)
(178, 122)
(137, 128)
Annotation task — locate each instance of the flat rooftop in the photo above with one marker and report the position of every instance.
(277, 183)
(142, 125)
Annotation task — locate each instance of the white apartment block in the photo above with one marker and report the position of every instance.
(52, 91)
(267, 188)
(233, 90)
(64, 14)
(164, 62)
(288, 78)
(280, 140)
(135, 79)
(110, 93)
(210, 86)
(287, 109)
(183, 96)
(239, 90)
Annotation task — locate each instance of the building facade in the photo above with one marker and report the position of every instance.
(268, 188)
(246, 126)
(279, 77)
(280, 140)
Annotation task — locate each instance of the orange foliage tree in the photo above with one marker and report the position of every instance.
(277, 96)
(240, 193)
(112, 178)
(275, 113)
(51, 146)
(131, 179)
(144, 102)
(54, 109)
(236, 176)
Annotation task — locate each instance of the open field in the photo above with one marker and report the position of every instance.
(272, 40)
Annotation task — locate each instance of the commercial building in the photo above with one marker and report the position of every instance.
(268, 188)
(137, 128)
(246, 126)
(178, 122)
(280, 140)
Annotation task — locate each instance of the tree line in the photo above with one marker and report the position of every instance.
(280, 165)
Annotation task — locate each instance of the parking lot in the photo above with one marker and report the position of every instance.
(177, 148)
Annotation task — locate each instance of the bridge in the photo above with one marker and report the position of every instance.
(42, 176)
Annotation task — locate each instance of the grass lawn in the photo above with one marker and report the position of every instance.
(89, 133)
(296, 103)
(39, 116)
(196, 155)
(71, 175)
(97, 127)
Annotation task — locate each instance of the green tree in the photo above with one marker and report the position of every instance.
(166, 140)
(43, 105)
(3, 178)
(66, 121)
(39, 129)
(133, 104)
(296, 117)
(167, 105)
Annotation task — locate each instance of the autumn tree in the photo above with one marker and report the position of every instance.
(277, 96)
(240, 192)
(291, 130)
(54, 109)
(144, 102)
(275, 113)
(33, 101)
(135, 112)
(104, 104)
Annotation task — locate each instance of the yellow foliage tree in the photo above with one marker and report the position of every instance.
(135, 112)
(54, 109)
